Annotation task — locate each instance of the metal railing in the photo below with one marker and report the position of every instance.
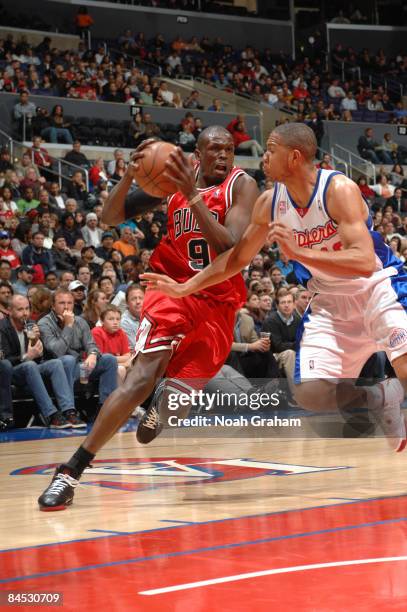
(340, 164)
(356, 163)
(16, 147)
(61, 163)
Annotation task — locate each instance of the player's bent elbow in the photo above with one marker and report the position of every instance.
(368, 267)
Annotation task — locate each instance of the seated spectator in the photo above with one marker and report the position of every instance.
(302, 298)
(110, 338)
(95, 303)
(127, 245)
(368, 148)
(277, 277)
(8, 207)
(383, 188)
(41, 158)
(105, 250)
(56, 198)
(348, 102)
(107, 285)
(242, 140)
(5, 160)
(59, 128)
(25, 276)
(335, 90)
(117, 154)
(216, 106)
(366, 191)
(6, 252)
(75, 156)
(40, 302)
(69, 230)
(5, 271)
(62, 255)
(152, 130)
(64, 334)
(284, 265)
(283, 325)
(186, 138)
(153, 237)
(28, 368)
(89, 257)
(92, 234)
(27, 202)
(119, 171)
(36, 254)
(65, 279)
(6, 291)
(131, 317)
(327, 160)
(77, 188)
(78, 292)
(397, 201)
(51, 281)
(192, 101)
(146, 96)
(97, 172)
(32, 179)
(250, 354)
(84, 275)
(374, 104)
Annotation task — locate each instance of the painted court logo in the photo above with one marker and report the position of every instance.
(151, 474)
(397, 337)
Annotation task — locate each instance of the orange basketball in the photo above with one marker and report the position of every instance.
(149, 176)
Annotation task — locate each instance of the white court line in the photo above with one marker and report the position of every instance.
(270, 572)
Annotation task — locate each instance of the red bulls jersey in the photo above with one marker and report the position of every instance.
(183, 251)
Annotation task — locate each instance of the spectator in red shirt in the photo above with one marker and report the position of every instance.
(110, 338)
(6, 252)
(41, 158)
(241, 139)
(97, 172)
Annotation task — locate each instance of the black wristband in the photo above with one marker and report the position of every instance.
(138, 202)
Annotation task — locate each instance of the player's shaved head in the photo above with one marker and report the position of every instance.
(297, 136)
(213, 131)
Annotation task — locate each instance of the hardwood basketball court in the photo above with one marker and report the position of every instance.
(210, 523)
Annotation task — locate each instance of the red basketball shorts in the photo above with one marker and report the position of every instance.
(197, 330)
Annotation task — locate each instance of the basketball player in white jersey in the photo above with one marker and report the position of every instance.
(322, 223)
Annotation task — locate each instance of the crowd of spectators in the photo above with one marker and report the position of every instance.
(130, 74)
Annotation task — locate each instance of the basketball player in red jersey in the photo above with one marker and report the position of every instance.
(184, 340)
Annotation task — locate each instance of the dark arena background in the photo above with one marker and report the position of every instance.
(245, 500)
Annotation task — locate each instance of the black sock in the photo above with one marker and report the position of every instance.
(79, 461)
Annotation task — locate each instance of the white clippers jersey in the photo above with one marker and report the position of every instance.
(314, 228)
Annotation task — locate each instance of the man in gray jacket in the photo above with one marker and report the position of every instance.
(64, 334)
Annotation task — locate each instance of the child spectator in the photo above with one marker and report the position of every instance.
(110, 338)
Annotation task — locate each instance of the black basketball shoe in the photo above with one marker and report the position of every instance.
(150, 425)
(59, 494)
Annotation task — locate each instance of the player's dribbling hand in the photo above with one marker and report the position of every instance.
(180, 169)
(138, 154)
(163, 283)
(285, 238)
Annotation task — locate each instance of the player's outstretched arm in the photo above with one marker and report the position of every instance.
(356, 256)
(120, 205)
(225, 265)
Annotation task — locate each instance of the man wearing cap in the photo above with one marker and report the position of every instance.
(78, 291)
(92, 234)
(106, 249)
(6, 252)
(36, 254)
(24, 279)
